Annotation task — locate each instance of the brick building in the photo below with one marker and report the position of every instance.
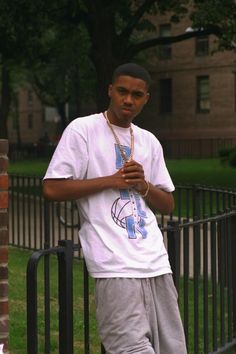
(193, 95)
(194, 91)
(30, 121)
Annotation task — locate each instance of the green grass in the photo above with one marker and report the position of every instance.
(205, 171)
(208, 172)
(18, 259)
(29, 167)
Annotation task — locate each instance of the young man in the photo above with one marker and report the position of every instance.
(115, 170)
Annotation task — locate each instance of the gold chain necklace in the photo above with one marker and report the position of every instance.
(123, 154)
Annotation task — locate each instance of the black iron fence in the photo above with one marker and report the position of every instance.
(174, 148)
(201, 240)
(195, 148)
(201, 255)
(27, 212)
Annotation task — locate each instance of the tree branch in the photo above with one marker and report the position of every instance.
(136, 48)
(135, 18)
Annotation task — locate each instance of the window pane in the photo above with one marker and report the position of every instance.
(203, 94)
(165, 96)
(202, 46)
(165, 50)
(30, 120)
(30, 97)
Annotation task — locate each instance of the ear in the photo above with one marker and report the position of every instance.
(109, 90)
(147, 97)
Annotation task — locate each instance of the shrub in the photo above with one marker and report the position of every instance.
(224, 155)
(228, 156)
(232, 158)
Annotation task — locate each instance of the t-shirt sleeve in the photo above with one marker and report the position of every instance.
(160, 176)
(70, 157)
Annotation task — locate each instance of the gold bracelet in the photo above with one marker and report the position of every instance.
(147, 190)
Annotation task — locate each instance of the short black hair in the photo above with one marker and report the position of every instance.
(134, 70)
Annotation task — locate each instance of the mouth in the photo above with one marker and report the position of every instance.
(126, 110)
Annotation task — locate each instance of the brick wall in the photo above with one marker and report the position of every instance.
(4, 310)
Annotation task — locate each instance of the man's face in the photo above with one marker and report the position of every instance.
(127, 95)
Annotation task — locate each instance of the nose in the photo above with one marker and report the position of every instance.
(128, 100)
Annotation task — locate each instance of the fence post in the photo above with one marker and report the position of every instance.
(32, 304)
(47, 275)
(65, 289)
(196, 201)
(173, 242)
(4, 239)
(233, 247)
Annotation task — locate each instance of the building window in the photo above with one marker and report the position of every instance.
(203, 94)
(165, 50)
(234, 91)
(30, 120)
(202, 46)
(165, 96)
(30, 97)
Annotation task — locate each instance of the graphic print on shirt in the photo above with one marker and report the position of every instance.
(126, 211)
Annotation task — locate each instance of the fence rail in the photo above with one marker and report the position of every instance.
(174, 148)
(195, 148)
(27, 211)
(206, 286)
(201, 240)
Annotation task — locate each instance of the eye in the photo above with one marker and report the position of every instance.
(138, 94)
(122, 91)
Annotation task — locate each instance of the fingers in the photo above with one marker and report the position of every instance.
(131, 175)
(133, 170)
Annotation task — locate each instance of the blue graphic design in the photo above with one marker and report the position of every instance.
(126, 210)
(119, 158)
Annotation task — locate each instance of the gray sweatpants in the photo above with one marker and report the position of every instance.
(139, 316)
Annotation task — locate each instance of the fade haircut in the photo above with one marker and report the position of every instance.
(134, 70)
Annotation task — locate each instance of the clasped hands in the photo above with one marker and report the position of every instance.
(131, 175)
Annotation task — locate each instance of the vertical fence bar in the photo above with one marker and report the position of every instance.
(196, 273)
(29, 212)
(47, 278)
(40, 241)
(173, 242)
(103, 351)
(196, 201)
(32, 323)
(65, 290)
(233, 244)
(205, 287)
(18, 208)
(186, 281)
(86, 309)
(229, 278)
(23, 212)
(222, 262)
(214, 283)
(12, 210)
(35, 212)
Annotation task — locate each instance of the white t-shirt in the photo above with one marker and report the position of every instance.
(119, 233)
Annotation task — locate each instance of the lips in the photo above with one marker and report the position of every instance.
(126, 109)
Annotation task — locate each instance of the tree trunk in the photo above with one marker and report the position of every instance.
(61, 108)
(100, 27)
(5, 101)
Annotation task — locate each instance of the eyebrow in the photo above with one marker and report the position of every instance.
(136, 92)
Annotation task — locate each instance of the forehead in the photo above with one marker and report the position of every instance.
(130, 83)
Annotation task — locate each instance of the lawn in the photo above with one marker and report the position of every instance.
(196, 171)
(18, 259)
(206, 171)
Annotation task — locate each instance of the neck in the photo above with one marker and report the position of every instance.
(113, 119)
